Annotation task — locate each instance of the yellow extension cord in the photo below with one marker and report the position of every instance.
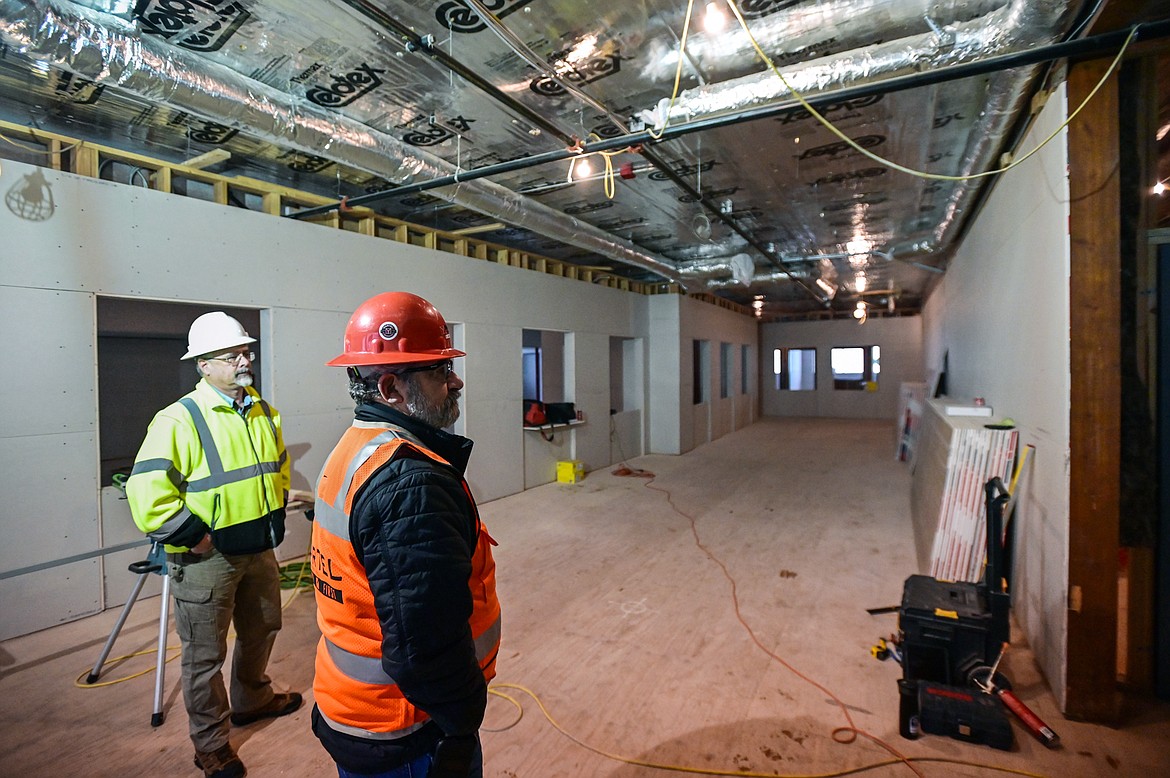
(495, 690)
(294, 577)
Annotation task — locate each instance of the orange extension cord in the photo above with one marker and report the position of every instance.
(844, 735)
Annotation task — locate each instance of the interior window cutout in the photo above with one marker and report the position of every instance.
(744, 362)
(701, 372)
(624, 375)
(724, 370)
(795, 369)
(542, 359)
(855, 368)
(139, 343)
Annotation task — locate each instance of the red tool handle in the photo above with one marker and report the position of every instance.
(1029, 719)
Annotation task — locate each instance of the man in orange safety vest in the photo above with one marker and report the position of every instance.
(402, 564)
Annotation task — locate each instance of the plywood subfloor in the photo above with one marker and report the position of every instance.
(713, 617)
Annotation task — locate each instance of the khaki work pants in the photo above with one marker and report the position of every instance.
(212, 593)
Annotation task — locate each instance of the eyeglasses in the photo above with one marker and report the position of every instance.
(444, 369)
(234, 357)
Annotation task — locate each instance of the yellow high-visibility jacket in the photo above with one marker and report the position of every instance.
(204, 467)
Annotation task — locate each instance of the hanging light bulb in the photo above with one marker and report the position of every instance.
(579, 169)
(713, 19)
(1159, 188)
(860, 282)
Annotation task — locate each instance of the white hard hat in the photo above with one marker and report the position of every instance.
(215, 331)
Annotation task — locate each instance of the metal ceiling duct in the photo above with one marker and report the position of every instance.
(739, 266)
(801, 32)
(107, 50)
(760, 279)
(1017, 25)
(110, 51)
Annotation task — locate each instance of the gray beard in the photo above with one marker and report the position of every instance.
(244, 379)
(439, 415)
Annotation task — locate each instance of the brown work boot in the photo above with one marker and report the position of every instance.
(220, 763)
(279, 705)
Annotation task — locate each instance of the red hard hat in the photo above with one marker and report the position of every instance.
(395, 328)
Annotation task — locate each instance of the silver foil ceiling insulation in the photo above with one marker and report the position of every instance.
(1011, 27)
(321, 97)
(1014, 26)
(797, 33)
(98, 48)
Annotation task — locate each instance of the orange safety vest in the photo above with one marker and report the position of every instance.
(353, 693)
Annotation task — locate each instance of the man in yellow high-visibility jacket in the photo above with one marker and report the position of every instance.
(211, 482)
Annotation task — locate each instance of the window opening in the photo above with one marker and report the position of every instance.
(744, 356)
(139, 345)
(724, 370)
(624, 375)
(855, 367)
(795, 369)
(701, 371)
(542, 359)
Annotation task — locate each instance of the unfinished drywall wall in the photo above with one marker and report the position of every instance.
(678, 424)
(110, 239)
(1001, 318)
(900, 339)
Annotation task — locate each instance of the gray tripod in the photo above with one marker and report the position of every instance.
(155, 562)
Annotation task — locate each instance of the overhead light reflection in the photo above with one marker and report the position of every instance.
(859, 246)
(582, 50)
(714, 20)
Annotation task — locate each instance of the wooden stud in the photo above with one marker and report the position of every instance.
(54, 148)
(161, 179)
(1095, 397)
(270, 203)
(86, 161)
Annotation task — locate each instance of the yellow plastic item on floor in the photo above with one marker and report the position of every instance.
(570, 471)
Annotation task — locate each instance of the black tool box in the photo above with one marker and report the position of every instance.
(964, 714)
(950, 628)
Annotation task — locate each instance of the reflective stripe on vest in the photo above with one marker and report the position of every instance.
(332, 517)
(367, 734)
(218, 476)
(368, 669)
